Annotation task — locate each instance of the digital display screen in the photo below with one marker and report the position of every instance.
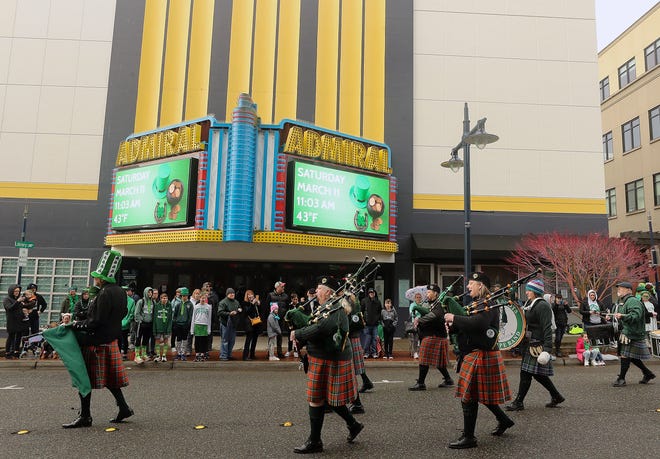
(155, 196)
(336, 200)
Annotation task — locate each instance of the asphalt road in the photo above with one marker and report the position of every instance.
(243, 407)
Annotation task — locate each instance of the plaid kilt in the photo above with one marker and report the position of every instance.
(482, 378)
(358, 356)
(331, 380)
(104, 366)
(635, 350)
(434, 351)
(529, 364)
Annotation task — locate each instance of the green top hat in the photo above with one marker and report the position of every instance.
(360, 191)
(108, 266)
(161, 182)
(184, 291)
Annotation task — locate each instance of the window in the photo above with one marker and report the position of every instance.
(608, 146)
(652, 55)
(654, 122)
(610, 198)
(604, 88)
(627, 73)
(52, 275)
(630, 135)
(635, 196)
(656, 189)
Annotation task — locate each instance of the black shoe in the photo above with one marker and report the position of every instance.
(366, 386)
(620, 382)
(356, 409)
(515, 406)
(418, 386)
(555, 401)
(446, 383)
(463, 443)
(309, 447)
(647, 378)
(354, 430)
(79, 422)
(502, 426)
(122, 415)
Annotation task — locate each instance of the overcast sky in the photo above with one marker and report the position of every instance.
(615, 16)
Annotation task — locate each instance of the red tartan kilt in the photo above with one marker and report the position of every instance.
(434, 351)
(358, 356)
(482, 378)
(332, 381)
(104, 366)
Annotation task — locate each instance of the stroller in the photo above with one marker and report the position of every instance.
(32, 343)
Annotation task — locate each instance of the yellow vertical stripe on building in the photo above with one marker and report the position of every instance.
(240, 52)
(151, 57)
(263, 60)
(327, 55)
(174, 70)
(288, 43)
(350, 67)
(373, 107)
(199, 60)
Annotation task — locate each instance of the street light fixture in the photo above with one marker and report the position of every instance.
(479, 137)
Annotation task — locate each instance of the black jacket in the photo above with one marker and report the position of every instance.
(104, 315)
(371, 310)
(14, 312)
(433, 323)
(561, 312)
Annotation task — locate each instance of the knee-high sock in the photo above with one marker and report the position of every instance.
(625, 364)
(500, 415)
(423, 370)
(365, 378)
(470, 411)
(523, 387)
(85, 403)
(343, 412)
(546, 382)
(445, 373)
(639, 364)
(316, 415)
(119, 398)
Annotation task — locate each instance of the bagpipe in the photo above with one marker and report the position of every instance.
(341, 299)
(489, 339)
(485, 304)
(423, 310)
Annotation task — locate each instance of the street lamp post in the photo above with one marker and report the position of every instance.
(654, 260)
(479, 137)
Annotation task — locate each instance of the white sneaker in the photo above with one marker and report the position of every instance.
(287, 354)
(163, 359)
(390, 357)
(385, 357)
(273, 358)
(157, 359)
(375, 356)
(586, 363)
(416, 356)
(138, 360)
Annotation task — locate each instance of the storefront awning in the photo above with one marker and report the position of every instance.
(450, 246)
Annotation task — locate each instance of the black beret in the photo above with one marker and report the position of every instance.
(480, 277)
(329, 282)
(433, 287)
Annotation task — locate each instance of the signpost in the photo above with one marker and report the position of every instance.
(22, 257)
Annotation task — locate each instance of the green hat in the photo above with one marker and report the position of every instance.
(108, 266)
(184, 291)
(641, 287)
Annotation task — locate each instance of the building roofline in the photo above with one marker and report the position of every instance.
(632, 26)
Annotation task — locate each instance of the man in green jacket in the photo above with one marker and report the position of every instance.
(632, 339)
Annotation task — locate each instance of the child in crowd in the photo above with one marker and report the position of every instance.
(274, 330)
(200, 326)
(586, 353)
(162, 327)
(66, 318)
(181, 323)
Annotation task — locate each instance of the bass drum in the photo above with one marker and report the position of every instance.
(512, 327)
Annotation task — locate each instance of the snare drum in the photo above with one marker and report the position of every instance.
(655, 342)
